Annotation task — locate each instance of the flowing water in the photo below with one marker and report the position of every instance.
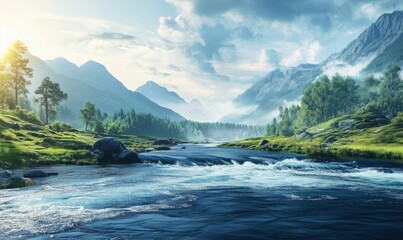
(205, 192)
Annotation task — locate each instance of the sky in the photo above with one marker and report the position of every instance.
(211, 50)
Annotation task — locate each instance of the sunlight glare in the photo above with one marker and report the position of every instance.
(6, 40)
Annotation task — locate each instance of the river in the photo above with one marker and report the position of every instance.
(205, 192)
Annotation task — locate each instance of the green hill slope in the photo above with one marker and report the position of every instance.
(24, 141)
(352, 136)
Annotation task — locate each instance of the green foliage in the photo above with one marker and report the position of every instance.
(98, 127)
(17, 70)
(88, 114)
(50, 96)
(28, 116)
(398, 120)
(368, 139)
(391, 92)
(326, 99)
(149, 125)
(61, 126)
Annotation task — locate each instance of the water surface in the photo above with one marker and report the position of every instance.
(205, 192)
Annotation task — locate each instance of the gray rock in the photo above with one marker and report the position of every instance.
(39, 174)
(14, 125)
(5, 174)
(162, 148)
(163, 142)
(30, 127)
(262, 143)
(16, 181)
(330, 139)
(304, 135)
(111, 150)
(346, 124)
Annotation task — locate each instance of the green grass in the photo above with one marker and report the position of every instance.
(366, 140)
(20, 147)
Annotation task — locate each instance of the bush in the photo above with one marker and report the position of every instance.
(113, 129)
(61, 126)
(28, 116)
(99, 127)
(398, 120)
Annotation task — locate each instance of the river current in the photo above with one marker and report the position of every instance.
(206, 192)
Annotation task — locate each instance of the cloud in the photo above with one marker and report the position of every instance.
(154, 71)
(307, 52)
(174, 68)
(113, 36)
(269, 57)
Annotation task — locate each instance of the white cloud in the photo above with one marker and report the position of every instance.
(307, 52)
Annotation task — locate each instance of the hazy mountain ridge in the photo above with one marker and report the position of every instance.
(93, 82)
(286, 84)
(159, 94)
(193, 110)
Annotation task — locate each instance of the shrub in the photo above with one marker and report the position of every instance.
(61, 126)
(398, 120)
(28, 116)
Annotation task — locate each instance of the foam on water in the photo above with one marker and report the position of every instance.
(84, 194)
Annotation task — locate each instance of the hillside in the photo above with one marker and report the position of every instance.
(93, 82)
(25, 141)
(350, 136)
(393, 53)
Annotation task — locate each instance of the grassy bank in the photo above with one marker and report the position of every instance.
(24, 141)
(365, 138)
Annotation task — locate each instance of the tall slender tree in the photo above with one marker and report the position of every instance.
(50, 96)
(88, 114)
(391, 91)
(18, 69)
(4, 90)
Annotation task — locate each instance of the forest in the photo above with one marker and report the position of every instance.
(328, 98)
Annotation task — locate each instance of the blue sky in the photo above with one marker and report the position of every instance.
(206, 49)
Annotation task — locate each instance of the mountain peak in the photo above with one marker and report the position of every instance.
(92, 65)
(63, 66)
(373, 41)
(159, 94)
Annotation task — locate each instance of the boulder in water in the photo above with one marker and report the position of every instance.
(162, 148)
(111, 150)
(39, 174)
(15, 181)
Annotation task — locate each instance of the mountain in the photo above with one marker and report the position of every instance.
(159, 94)
(193, 110)
(93, 82)
(377, 47)
(373, 41)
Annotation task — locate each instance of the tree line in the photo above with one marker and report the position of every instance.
(328, 98)
(149, 125)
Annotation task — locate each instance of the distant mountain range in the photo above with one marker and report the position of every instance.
(93, 82)
(380, 45)
(193, 110)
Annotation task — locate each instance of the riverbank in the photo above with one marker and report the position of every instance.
(352, 136)
(25, 142)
